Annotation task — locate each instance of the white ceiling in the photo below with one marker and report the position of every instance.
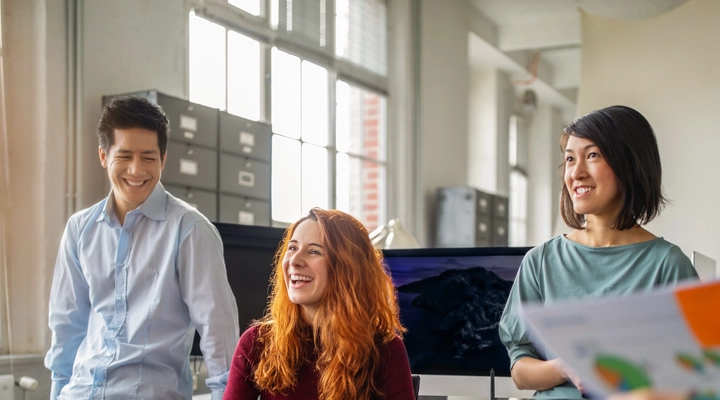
(552, 27)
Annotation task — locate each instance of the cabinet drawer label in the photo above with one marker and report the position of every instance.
(246, 218)
(188, 167)
(188, 123)
(247, 138)
(246, 178)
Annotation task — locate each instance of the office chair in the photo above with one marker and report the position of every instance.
(416, 385)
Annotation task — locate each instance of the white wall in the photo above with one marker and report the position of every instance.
(444, 82)
(402, 80)
(33, 217)
(127, 46)
(34, 72)
(667, 68)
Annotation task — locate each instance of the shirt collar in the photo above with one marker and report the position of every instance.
(154, 207)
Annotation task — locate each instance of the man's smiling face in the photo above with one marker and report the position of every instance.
(134, 165)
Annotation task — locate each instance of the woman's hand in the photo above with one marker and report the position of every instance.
(567, 373)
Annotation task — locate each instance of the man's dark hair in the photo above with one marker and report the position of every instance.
(127, 112)
(628, 144)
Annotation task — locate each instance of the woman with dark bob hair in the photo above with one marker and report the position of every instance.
(332, 329)
(612, 186)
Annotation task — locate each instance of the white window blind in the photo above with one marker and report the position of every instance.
(361, 38)
(303, 22)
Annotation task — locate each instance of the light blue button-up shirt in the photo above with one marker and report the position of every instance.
(126, 300)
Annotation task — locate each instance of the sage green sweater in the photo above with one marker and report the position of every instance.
(561, 270)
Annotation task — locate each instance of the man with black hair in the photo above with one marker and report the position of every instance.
(136, 275)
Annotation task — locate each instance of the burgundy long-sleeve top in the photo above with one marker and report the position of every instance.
(393, 377)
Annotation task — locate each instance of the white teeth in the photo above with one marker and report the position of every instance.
(300, 278)
(131, 183)
(583, 190)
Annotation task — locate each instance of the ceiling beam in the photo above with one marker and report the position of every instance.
(547, 32)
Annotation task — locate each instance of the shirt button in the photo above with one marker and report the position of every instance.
(98, 384)
(119, 298)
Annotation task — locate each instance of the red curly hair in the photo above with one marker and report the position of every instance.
(358, 312)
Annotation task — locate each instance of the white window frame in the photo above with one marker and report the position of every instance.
(259, 28)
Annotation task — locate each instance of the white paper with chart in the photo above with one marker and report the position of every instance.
(665, 339)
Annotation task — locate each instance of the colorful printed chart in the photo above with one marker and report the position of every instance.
(621, 374)
(712, 357)
(690, 363)
(666, 339)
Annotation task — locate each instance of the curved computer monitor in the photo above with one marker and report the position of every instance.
(451, 301)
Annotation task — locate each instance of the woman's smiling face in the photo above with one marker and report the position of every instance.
(305, 268)
(592, 184)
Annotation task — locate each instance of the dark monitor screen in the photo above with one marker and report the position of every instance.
(249, 252)
(451, 301)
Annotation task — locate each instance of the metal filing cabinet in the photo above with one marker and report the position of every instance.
(245, 155)
(467, 217)
(246, 138)
(464, 217)
(192, 166)
(205, 201)
(244, 211)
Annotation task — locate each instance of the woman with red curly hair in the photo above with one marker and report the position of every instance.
(332, 330)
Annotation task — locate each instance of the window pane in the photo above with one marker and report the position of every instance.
(286, 179)
(302, 22)
(518, 142)
(512, 142)
(250, 6)
(360, 122)
(315, 183)
(274, 13)
(518, 209)
(361, 189)
(244, 76)
(314, 104)
(518, 233)
(286, 103)
(207, 62)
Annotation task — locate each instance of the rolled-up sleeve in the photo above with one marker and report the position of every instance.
(513, 331)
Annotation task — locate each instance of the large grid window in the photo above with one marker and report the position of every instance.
(316, 70)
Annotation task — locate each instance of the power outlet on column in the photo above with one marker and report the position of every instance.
(7, 387)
